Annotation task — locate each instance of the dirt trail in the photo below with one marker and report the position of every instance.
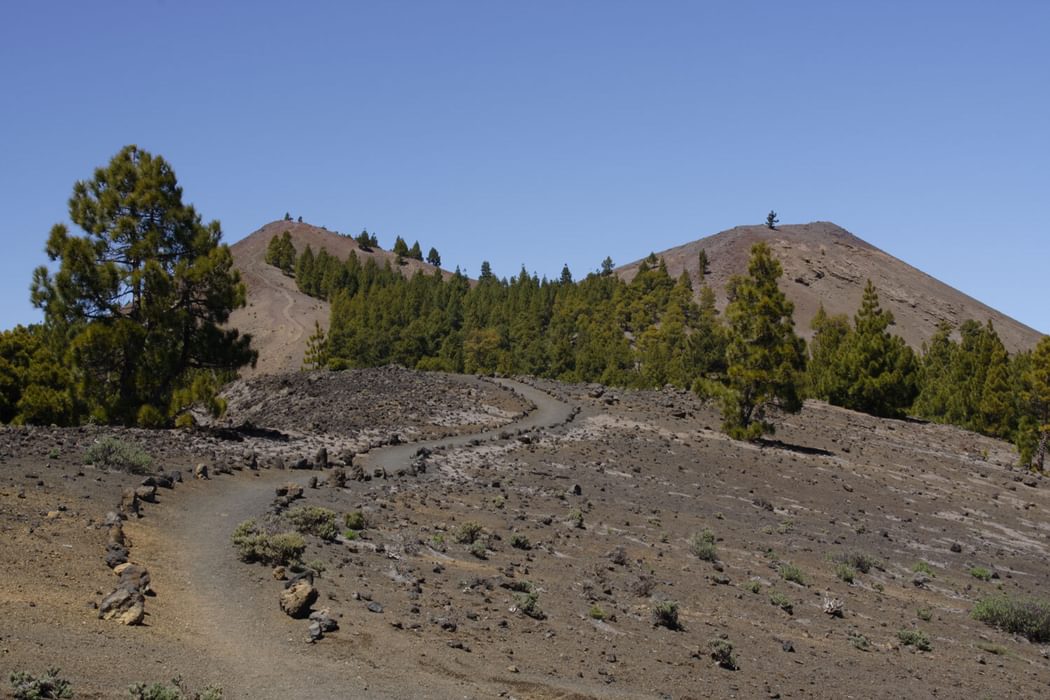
(228, 610)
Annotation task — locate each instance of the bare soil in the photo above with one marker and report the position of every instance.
(606, 489)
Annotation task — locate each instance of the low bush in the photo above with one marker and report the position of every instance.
(861, 561)
(790, 572)
(528, 604)
(468, 532)
(254, 544)
(722, 653)
(665, 614)
(915, 638)
(519, 541)
(981, 573)
(702, 545)
(596, 612)
(1028, 617)
(111, 453)
(26, 686)
(175, 690)
(355, 520)
(314, 520)
(782, 601)
(922, 567)
(924, 614)
(845, 572)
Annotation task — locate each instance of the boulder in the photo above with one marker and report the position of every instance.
(147, 493)
(129, 503)
(338, 478)
(321, 459)
(116, 554)
(126, 606)
(134, 577)
(296, 600)
(200, 471)
(290, 491)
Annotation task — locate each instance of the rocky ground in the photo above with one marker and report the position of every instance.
(534, 560)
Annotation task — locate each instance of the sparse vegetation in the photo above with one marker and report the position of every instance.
(1028, 617)
(665, 614)
(915, 638)
(254, 544)
(314, 520)
(861, 561)
(753, 586)
(26, 686)
(981, 573)
(520, 541)
(924, 614)
(782, 601)
(845, 572)
(468, 532)
(176, 690)
(596, 612)
(576, 518)
(355, 520)
(922, 567)
(528, 604)
(112, 453)
(859, 641)
(722, 653)
(479, 548)
(790, 572)
(702, 545)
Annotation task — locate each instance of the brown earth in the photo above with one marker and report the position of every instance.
(826, 264)
(278, 316)
(642, 472)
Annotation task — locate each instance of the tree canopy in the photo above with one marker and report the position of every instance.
(137, 304)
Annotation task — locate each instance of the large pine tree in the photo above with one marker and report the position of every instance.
(138, 302)
(764, 356)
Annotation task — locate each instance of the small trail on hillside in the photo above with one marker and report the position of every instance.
(228, 610)
(261, 274)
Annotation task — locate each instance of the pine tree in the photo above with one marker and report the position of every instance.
(824, 371)
(316, 356)
(365, 241)
(703, 266)
(607, 266)
(772, 220)
(142, 296)
(434, 258)
(566, 275)
(765, 357)
(400, 247)
(415, 252)
(878, 372)
(1036, 399)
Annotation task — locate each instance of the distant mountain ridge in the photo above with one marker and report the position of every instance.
(826, 264)
(823, 264)
(279, 317)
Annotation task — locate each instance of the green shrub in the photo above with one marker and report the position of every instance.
(479, 548)
(861, 561)
(175, 690)
(351, 534)
(979, 572)
(922, 567)
(355, 520)
(859, 641)
(468, 532)
(845, 572)
(111, 453)
(722, 653)
(924, 614)
(992, 648)
(702, 545)
(596, 612)
(782, 601)
(314, 520)
(519, 541)
(753, 586)
(915, 638)
(26, 686)
(528, 604)
(576, 518)
(665, 614)
(1028, 617)
(253, 544)
(790, 572)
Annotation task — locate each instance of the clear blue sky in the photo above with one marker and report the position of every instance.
(543, 133)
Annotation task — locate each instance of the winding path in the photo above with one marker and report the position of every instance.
(227, 610)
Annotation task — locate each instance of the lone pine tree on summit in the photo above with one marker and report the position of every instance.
(138, 302)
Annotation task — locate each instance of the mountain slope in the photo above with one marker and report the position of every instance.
(279, 317)
(826, 264)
